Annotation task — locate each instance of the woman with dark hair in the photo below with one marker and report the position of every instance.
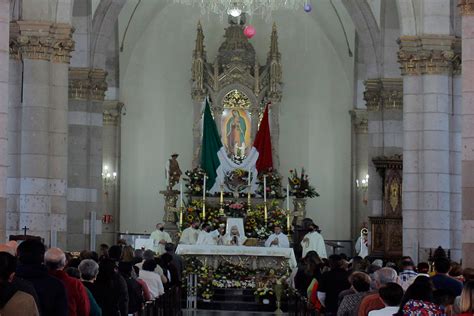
(467, 299)
(418, 299)
(135, 293)
(111, 290)
(13, 301)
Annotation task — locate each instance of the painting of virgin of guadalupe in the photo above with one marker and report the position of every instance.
(236, 131)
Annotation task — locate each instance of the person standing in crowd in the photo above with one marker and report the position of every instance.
(190, 235)
(277, 239)
(150, 255)
(77, 300)
(314, 241)
(51, 291)
(160, 238)
(373, 301)
(152, 279)
(467, 299)
(135, 292)
(391, 295)
(360, 284)
(13, 302)
(418, 299)
(408, 273)
(177, 260)
(111, 290)
(332, 283)
(88, 270)
(441, 280)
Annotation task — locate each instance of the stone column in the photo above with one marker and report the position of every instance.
(384, 112)
(111, 136)
(359, 169)
(4, 87)
(37, 190)
(467, 12)
(86, 95)
(427, 64)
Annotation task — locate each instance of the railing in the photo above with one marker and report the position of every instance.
(168, 304)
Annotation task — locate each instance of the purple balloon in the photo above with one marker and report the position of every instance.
(308, 7)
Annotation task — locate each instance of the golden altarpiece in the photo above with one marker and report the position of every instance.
(238, 87)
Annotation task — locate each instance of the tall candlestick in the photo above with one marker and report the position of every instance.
(266, 213)
(204, 188)
(265, 189)
(250, 178)
(181, 208)
(288, 223)
(288, 197)
(221, 209)
(204, 198)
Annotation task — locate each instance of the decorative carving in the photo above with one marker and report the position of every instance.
(387, 238)
(87, 84)
(420, 55)
(236, 99)
(14, 46)
(466, 7)
(112, 112)
(386, 93)
(43, 40)
(236, 68)
(299, 211)
(360, 121)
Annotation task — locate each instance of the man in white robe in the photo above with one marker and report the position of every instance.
(190, 235)
(313, 241)
(277, 239)
(206, 237)
(233, 238)
(160, 239)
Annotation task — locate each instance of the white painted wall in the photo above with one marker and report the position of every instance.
(155, 86)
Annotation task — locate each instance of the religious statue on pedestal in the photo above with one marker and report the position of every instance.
(173, 171)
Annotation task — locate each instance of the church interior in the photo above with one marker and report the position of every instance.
(343, 128)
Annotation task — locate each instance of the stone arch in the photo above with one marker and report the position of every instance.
(369, 34)
(103, 23)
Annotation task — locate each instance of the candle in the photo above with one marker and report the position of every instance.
(265, 189)
(180, 204)
(266, 214)
(288, 197)
(222, 194)
(250, 176)
(204, 188)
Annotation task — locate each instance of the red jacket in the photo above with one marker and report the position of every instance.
(77, 299)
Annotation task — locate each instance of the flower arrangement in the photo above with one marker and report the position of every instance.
(254, 221)
(299, 185)
(264, 292)
(205, 277)
(195, 181)
(274, 189)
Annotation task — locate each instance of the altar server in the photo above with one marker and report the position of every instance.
(233, 238)
(313, 241)
(277, 239)
(206, 237)
(160, 239)
(190, 235)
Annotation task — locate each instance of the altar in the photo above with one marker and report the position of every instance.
(246, 257)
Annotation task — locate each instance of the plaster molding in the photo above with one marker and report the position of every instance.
(87, 83)
(112, 112)
(428, 55)
(360, 121)
(40, 40)
(466, 7)
(385, 93)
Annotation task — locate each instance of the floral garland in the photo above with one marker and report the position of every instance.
(299, 185)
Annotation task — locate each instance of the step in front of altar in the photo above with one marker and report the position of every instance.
(237, 300)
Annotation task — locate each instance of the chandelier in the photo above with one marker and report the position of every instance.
(235, 8)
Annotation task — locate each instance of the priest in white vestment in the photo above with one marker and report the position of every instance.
(277, 239)
(190, 235)
(206, 237)
(160, 239)
(234, 238)
(313, 241)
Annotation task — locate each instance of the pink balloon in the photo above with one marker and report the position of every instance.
(249, 31)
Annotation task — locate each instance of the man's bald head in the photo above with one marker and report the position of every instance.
(55, 259)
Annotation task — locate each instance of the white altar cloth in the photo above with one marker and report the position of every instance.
(238, 251)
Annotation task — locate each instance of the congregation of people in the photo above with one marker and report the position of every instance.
(115, 281)
(339, 286)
